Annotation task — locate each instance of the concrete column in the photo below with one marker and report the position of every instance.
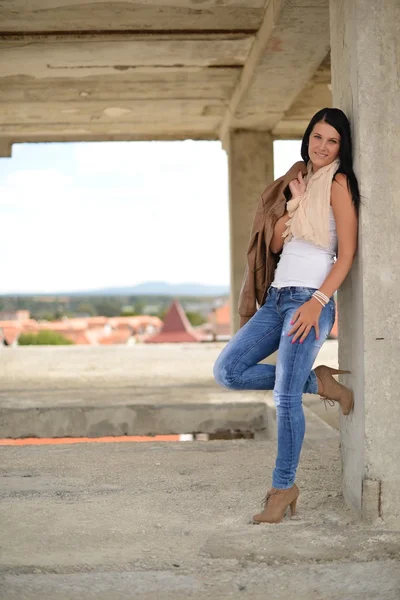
(365, 78)
(5, 148)
(251, 169)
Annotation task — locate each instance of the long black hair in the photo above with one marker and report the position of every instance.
(337, 119)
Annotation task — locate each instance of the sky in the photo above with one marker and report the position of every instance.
(80, 216)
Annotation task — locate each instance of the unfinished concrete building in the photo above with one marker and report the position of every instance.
(245, 72)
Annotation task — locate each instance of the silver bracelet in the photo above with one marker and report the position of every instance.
(319, 299)
(322, 296)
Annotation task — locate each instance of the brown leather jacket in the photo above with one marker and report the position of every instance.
(261, 262)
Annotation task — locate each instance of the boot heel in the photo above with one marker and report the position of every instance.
(337, 371)
(293, 508)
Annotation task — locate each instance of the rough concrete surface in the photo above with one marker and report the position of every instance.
(141, 390)
(78, 71)
(119, 521)
(157, 520)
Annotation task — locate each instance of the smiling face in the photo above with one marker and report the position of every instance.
(323, 145)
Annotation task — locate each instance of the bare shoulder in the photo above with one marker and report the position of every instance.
(340, 179)
(340, 194)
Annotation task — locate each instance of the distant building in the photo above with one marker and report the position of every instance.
(219, 320)
(9, 335)
(18, 315)
(176, 328)
(85, 331)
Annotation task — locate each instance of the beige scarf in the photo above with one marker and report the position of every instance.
(309, 212)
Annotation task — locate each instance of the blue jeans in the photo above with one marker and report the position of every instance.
(237, 368)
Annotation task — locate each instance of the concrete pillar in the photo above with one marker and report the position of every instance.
(5, 148)
(251, 169)
(365, 78)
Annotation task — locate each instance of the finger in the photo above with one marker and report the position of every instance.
(295, 328)
(298, 333)
(305, 334)
(296, 324)
(300, 176)
(316, 327)
(296, 315)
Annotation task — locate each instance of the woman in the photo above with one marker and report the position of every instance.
(316, 238)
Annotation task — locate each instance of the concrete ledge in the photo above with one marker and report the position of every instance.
(140, 390)
(318, 432)
(133, 419)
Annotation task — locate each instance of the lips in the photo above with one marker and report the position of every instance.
(321, 155)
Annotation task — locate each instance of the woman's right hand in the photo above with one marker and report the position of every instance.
(297, 186)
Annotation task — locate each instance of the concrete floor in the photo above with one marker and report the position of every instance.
(171, 520)
(149, 521)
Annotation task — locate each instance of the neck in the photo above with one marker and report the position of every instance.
(315, 168)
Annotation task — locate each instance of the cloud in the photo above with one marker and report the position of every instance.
(36, 178)
(118, 213)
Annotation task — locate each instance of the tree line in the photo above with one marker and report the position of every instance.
(52, 308)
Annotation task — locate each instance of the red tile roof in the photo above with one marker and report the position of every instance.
(96, 321)
(78, 337)
(10, 334)
(85, 330)
(136, 322)
(118, 337)
(176, 328)
(220, 320)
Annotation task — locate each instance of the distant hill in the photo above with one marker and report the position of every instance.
(151, 288)
(161, 288)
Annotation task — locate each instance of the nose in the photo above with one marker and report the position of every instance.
(322, 145)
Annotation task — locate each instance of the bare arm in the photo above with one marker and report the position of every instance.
(346, 227)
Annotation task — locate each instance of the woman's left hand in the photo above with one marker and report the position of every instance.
(304, 319)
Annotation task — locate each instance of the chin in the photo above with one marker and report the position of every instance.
(322, 162)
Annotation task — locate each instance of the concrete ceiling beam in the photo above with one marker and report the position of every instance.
(5, 148)
(130, 15)
(104, 112)
(162, 127)
(271, 13)
(316, 95)
(291, 43)
(85, 58)
(139, 136)
(140, 84)
(144, 68)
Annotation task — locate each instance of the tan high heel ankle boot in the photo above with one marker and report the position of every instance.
(330, 389)
(275, 504)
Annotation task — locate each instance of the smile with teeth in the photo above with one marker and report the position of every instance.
(321, 155)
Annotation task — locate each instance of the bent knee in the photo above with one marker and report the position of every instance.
(223, 375)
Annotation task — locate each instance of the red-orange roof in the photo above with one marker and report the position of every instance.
(118, 337)
(176, 328)
(96, 321)
(78, 337)
(84, 330)
(10, 334)
(222, 315)
(137, 321)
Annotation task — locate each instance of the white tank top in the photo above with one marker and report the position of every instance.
(303, 264)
